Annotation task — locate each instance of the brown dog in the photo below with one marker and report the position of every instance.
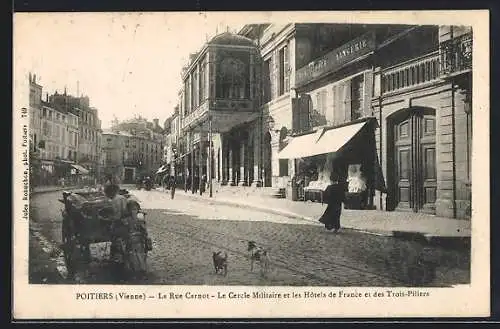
(260, 255)
(220, 263)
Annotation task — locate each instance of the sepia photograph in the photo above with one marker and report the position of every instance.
(160, 151)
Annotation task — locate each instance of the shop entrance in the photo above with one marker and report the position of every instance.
(414, 160)
(129, 175)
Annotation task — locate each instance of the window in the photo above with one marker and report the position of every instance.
(284, 71)
(357, 97)
(44, 113)
(187, 93)
(266, 87)
(321, 102)
(203, 81)
(283, 167)
(50, 115)
(194, 88)
(58, 117)
(232, 79)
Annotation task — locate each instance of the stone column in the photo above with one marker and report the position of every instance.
(223, 161)
(200, 165)
(185, 173)
(191, 173)
(241, 181)
(230, 166)
(275, 166)
(257, 175)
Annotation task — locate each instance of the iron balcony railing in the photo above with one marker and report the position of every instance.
(456, 55)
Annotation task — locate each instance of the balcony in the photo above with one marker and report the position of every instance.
(225, 113)
(411, 74)
(456, 55)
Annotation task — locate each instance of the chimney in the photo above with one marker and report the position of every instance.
(156, 122)
(47, 97)
(34, 78)
(30, 77)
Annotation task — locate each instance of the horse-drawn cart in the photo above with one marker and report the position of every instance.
(91, 232)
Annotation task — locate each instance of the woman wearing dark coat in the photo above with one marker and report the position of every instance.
(334, 196)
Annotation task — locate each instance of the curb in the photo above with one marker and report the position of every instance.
(427, 238)
(288, 214)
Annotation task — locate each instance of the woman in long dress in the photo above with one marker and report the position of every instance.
(334, 195)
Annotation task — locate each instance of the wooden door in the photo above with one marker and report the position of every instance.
(428, 178)
(403, 166)
(415, 163)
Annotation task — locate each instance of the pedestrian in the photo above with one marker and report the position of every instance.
(196, 184)
(334, 195)
(172, 187)
(165, 182)
(203, 183)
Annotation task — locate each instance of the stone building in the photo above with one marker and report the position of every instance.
(142, 147)
(54, 132)
(219, 111)
(423, 102)
(89, 124)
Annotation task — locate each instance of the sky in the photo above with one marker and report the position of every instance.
(126, 63)
(130, 63)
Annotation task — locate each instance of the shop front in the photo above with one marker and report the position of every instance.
(347, 153)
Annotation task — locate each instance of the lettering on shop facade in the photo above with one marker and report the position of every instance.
(336, 58)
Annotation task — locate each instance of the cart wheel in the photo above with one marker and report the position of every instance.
(69, 248)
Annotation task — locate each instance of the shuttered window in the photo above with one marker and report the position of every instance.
(286, 59)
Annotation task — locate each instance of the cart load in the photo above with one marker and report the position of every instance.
(90, 231)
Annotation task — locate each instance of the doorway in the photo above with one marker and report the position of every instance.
(129, 175)
(267, 160)
(414, 174)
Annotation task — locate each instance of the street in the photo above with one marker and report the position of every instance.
(185, 232)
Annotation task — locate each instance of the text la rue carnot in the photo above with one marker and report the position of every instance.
(339, 294)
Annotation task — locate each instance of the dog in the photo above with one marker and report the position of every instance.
(260, 255)
(220, 263)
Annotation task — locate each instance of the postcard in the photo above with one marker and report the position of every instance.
(251, 165)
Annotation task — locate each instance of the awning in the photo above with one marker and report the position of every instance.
(321, 142)
(80, 169)
(300, 146)
(162, 169)
(334, 139)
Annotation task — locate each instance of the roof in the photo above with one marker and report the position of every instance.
(231, 39)
(116, 133)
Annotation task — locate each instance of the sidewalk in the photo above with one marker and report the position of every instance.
(54, 188)
(389, 223)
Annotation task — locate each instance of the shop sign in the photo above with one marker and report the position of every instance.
(335, 59)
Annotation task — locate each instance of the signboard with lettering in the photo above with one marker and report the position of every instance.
(335, 59)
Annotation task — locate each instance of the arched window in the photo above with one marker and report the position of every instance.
(232, 79)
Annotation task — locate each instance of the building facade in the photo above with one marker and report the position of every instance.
(219, 112)
(113, 149)
(89, 125)
(141, 145)
(423, 102)
(171, 148)
(35, 107)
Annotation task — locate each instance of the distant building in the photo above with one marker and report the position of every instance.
(141, 147)
(35, 107)
(89, 146)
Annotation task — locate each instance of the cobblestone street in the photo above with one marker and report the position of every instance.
(185, 232)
